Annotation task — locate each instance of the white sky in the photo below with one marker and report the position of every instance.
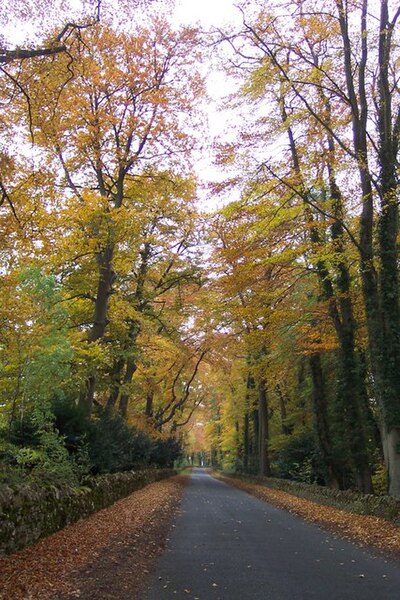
(207, 12)
(210, 13)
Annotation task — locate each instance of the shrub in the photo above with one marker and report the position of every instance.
(380, 480)
(300, 460)
(115, 446)
(58, 443)
(33, 447)
(106, 444)
(165, 452)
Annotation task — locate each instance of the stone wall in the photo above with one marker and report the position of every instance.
(29, 512)
(386, 507)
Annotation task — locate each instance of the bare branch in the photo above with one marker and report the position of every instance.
(7, 56)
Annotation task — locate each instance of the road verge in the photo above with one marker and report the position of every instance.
(365, 530)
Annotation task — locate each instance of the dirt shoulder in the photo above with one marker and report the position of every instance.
(107, 555)
(365, 531)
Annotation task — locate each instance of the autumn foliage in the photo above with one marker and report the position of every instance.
(265, 335)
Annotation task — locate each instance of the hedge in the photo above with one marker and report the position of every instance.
(29, 512)
(385, 507)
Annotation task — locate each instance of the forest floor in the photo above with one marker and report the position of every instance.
(365, 531)
(107, 555)
(110, 554)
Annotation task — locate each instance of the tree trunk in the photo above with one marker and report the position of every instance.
(388, 255)
(149, 404)
(355, 419)
(106, 279)
(335, 479)
(263, 436)
(238, 456)
(381, 298)
(341, 310)
(116, 376)
(301, 389)
(246, 442)
(250, 385)
(285, 429)
(124, 399)
(255, 445)
(392, 445)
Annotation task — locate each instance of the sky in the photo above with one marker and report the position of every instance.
(210, 13)
(207, 12)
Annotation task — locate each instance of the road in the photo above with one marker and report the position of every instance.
(228, 545)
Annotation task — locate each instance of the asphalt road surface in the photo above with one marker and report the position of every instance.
(228, 545)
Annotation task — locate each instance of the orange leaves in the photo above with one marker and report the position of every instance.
(316, 337)
(51, 566)
(361, 529)
(123, 103)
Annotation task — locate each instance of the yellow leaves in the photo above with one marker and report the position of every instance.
(123, 100)
(225, 154)
(312, 339)
(315, 331)
(7, 166)
(93, 354)
(260, 78)
(121, 313)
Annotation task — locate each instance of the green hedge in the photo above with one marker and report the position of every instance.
(29, 512)
(386, 507)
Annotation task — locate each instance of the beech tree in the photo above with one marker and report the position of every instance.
(121, 112)
(339, 99)
(158, 269)
(254, 265)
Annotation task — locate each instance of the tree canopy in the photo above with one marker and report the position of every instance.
(264, 335)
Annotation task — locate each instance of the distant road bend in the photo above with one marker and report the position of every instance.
(228, 545)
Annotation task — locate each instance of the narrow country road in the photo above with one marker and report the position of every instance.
(228, 545)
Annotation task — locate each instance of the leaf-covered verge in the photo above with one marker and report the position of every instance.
(119, 543)
(364, 530)
(29, 512)
(384, 507)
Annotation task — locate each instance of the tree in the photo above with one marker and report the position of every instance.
(158, 268)
(120, 113)
(298, 45)
(254, 263)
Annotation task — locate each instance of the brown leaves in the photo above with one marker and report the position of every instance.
(364, 530)
(135, 526)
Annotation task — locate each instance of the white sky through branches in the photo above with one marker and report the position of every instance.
(21, 29)
(208, 13)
